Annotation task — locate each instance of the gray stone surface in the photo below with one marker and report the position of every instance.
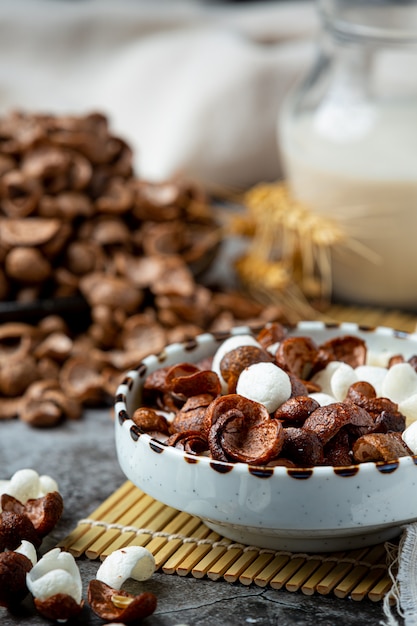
(81, 457)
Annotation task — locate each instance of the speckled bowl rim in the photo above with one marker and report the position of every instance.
(153, 361)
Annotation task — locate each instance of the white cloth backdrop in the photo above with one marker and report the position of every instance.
(195, 88)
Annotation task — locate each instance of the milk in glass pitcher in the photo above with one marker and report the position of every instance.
(348, 138)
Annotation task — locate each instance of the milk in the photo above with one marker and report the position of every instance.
(359, 168)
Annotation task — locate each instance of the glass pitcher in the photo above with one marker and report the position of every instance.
(348, 139)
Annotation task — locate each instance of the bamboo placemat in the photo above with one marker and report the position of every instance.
(184, 545)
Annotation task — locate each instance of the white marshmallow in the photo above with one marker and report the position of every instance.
(47, 485)
(324, 377)
(323, 398)
(343, 377)
(233, 342)
(130, 562)
(265, 383)
(372, 374)
(400, 382)
(26, 484)
(408, 407)
(56, 572)
(273, 347)
(410, 437)
(28, 550)
(335, 379)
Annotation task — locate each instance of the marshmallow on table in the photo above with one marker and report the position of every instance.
(133, 562)
(28, 550)
(26, 484)
(56, 572)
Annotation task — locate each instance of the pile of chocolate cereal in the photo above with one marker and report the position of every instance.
(264, 399)
(78, 226)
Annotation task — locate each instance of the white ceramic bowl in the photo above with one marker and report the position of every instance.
(311, 509)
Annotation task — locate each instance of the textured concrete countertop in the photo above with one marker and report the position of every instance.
(81, 457)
